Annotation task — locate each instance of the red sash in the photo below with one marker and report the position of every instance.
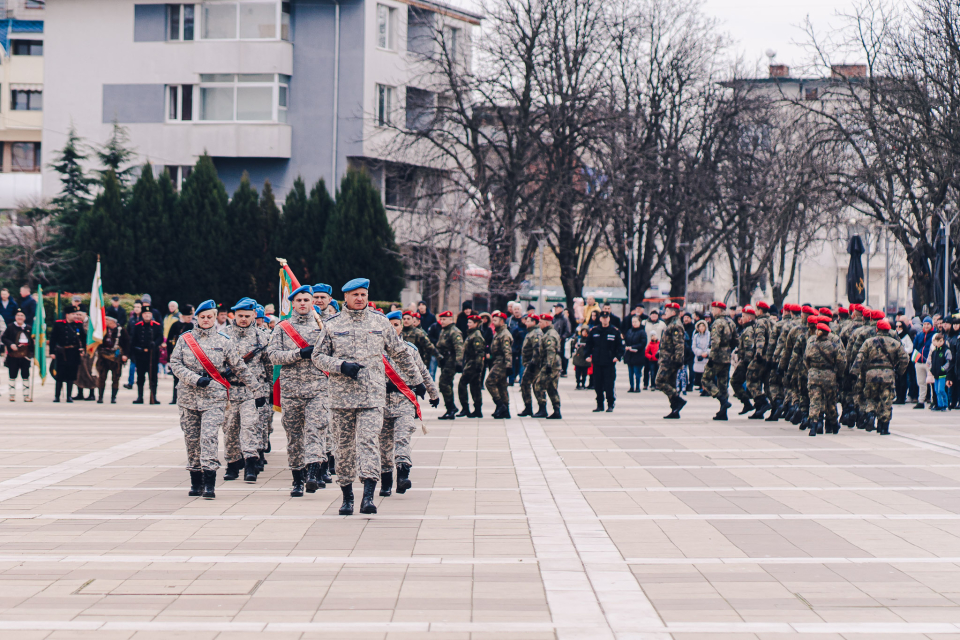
(205, 362)
(294, 335)
(401, 386)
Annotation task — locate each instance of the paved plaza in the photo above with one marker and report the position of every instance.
(610, 525)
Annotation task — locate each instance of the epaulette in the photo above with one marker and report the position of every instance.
(60, 320)
(221, 333)
(138, 324)
(411, 345)
(331, 317)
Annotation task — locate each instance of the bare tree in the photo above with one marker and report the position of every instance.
(29, 246)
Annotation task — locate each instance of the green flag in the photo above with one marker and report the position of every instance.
(40, 336)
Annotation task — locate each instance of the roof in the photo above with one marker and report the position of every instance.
(447, 10)
(17, 26)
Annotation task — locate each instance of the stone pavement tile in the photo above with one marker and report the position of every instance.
(698, 614)
(77, 635)
(922, 613)
(513, 636)
(856, 614)
(433, 615)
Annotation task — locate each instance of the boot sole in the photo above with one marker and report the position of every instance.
(346, 512)
(311, 487)
(385, 494)
(371, 510)
(296, 494)
(249, 480)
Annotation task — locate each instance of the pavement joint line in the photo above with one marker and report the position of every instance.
(929, 444)
(257, 559)
(777, 450)
(247, 489)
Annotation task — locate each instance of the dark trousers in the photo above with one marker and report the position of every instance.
(18, 366)
(564, 360)
(470, 381)
(603, 379)
(581, 374)
(650, 374)
(147, 367)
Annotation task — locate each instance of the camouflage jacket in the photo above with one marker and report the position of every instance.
(747, 348)
(773, 338)
(550, 350)
(797, 367)
(362, 336)
(851, 325)
(762, 336)
(671, 343)
(473, 352)
(723, 338)
(249, 340)
(530, 352)
(786, 326)
(450, 347)
(882, 351)
(797, 332)
(397, 403)
(298, 378)
(501, 349)
(419, 339)
(222, 353)
(857, 338)
(825, 353)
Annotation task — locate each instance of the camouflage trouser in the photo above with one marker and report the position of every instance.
(242, 436)
(667, 378)
(470, 379)
(266, 423)
(774, 388)
(359, 443)
(879, 392)
(446, 385)
(822, 389)
(104, 366)
(527, 383)
(395, 437)
(756, 376)
(803, 392)
(329, 436)
(304, 420)
(738, 380)
(546, 385)
(201, 431)
(497, 384)
(716, 379)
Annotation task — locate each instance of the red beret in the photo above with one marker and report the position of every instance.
(718, 304)
(813, 319)
(883, 325)
(826, 312)
(823, 327)
(415, 315)
(475, 318)
(671, 305)
(408, 313)
(878, 314)
(864, 309)
(445, 314)
(763, 305)
(807, 309)
(856, 306)
(843, 311)
(750, 310)
(499, 314)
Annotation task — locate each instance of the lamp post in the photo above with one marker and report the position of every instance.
(947, 221)
(686, 271)
(539, 234)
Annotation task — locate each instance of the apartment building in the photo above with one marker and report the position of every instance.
(277, 89)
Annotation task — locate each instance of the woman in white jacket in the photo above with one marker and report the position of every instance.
(700, 343)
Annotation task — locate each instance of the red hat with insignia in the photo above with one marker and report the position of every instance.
(475, 318)
(826, 312)
(843, 311)
(824, 327)
(877, 314)
(808, 309)
(499, 314)
(763, 305)
(883, 325)
(813, 319)
(408, 313)
(445, 314)
(750, 310)
(671, 305)
(718, 304)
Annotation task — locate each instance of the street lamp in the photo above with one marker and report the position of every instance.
(686, 272)
(539, 234)
(952, 213)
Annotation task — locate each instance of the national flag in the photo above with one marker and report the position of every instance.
(288, 283)
(97, 321)
(39, 332)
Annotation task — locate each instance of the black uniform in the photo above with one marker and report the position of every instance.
(604, 345)
(67, 341)
(145, 341)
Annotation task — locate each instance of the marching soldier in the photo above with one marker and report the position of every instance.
(326, 306)
(266, 411)
(417, 337)
(798, 330)
(242, 436)
(757, 370)
(797, 371)
(322, 296)
(825, 362)
(399, 417)
(198, 360)
(530, 357)
(716, 374)
(549, 369)
(473, 353)
(145, 341)
(867, 330)
(746, 350)
(351, 349)
(111, 354)
(501, 360)
(450, 358)
(67, 343)
(880, 359)
(671, 359)
(772, 356)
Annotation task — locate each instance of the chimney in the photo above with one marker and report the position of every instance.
(779, 71)
(839, 71)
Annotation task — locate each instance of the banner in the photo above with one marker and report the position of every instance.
(288, 283)
(40, 337)
(98, 316)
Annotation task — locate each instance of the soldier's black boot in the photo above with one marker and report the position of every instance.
(113, 396)
(541, 411)
(403, 478)
(56, 393)
(774, 412)
(310, 481)
(722, 414)
(833, 426)
(505, 414)
(209, 483)
(261, 461)
(869, 421)
(79, 395)
(451, 412)
(321, 483)
(599, 406)
(861, 419)
(798, 415)
(675, 404)
(477, 413)
(69, 392)
(611, 403)
(747, 406)
(346, 509)
(139, 399)
(296, 491)
(386, 484)
(324, 472)
(761, 408)
(196, 483)
(153, 397)
(883, 427)
(267, 450)
(815, 428)
(464, 412)
(100, 396)
(527, 411)
(90, 396)
(805, 423)
(233, 470)
(250, 469)
(331, 464)
(366, 505)
(174, 401)
(498, 412)
(555, 415)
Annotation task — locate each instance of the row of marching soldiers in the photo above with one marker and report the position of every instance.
(348, 394)
(799, 367)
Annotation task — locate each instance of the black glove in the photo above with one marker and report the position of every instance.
(351, 369)
(435, 402)
(420, 389)
(392, 388)
(459, 368)
(306, 352)
(204, 381)
(259, 402)
(510, 371)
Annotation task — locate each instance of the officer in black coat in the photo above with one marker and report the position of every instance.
(604, 350)
(145, 341)
(67, 342)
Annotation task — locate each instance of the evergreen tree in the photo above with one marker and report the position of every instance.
(359, 242)
(296, 233)
(116, 156)
(270, 215)
(246, 246)
(69, 205)
(203, 235)
(319, 208)
(150, 222)
(103, 230)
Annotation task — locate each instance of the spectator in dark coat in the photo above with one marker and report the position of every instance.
(635, 342)
(464, 314)
(116, 311)
(427, 319)
(688, 328)
(28, 304)
(8, 307)
(614, 319)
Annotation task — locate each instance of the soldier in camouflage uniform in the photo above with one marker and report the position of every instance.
(530, 357)
(473, 353)
(322, 296)
(549, 369)
(757, 370)
(774, 349)
(825, 362)
(303, 391)
(266, 411)
(854, 322)
(399, 420)
(417, 337)
(242, 438)
(880, 359)
(351, 349)
(791, 396)
(201, 399)
(450, 359)
(842, 319)
(324, 305)
(716, 374)
(797, 372)
(746, 350)
(671, 359)
(501, 363)
(858, 416)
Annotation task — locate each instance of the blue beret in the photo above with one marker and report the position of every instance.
(395, 315)
(260, 312)
(323, 288)
(206, 305)
(335, 305)
(245, 304)
(303, 289)
(356, 283)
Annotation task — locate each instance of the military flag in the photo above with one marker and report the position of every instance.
(39, 332)
(288, 282)
(98, 317)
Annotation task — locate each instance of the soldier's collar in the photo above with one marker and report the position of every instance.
(206, 333)
(356, 314)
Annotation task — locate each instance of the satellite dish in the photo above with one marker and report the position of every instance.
(771, 53)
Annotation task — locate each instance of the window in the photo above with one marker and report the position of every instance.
(178, 174)
(385, 27)
(811, 94)
(180, 21)
(26, 100)
(258, 20)
(25, 156)
(420, 109)
(384, 105)
(420, 33)
(285, 21)
(451, 41)
(180, 102)
(34, 4)
(245, 97)
(219, 21)
(27, 47)
(246, 20)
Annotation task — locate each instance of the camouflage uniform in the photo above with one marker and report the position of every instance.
(757, 369)
(501, 359)
(419, 339)
(473, 352)
(546, 384)
(879, 360)
(363, 337)
(530, 356)
(797, 369)
(847, 383)
(399, 417)
(857, 338)
(266, 411)
(716, 375)
(202, 408)
(825, 362)
(798, 331)
(670, 357)
(774, 352)
(242, 435)
(450, 357)
(746, 350)
(303, 391)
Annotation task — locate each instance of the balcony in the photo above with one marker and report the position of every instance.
(19, 188)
